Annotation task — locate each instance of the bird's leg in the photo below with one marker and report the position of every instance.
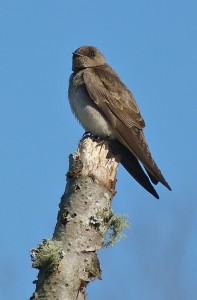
(91, 135)
(97, 138)
(88, 133)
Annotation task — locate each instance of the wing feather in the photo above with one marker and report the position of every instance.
(120, 108)
(99, 85)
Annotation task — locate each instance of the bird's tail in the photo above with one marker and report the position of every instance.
(132, 165)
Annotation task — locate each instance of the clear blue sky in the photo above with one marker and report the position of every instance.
(153, 46)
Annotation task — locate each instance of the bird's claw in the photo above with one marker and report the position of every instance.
(88, 133)
(91, 135)
(95, 137)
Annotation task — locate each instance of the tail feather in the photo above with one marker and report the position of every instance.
(135, 141)
(132, 165)
(152, 178)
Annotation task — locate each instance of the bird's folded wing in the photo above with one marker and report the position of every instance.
(118, 105)
(104, 86)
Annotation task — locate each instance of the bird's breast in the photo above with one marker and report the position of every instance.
(87, 112)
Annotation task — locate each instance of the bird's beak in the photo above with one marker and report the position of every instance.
(77, 54)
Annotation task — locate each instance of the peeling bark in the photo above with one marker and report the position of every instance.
(69, 261)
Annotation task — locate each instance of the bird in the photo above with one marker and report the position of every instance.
(107, 109)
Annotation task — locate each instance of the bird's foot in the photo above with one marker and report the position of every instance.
(91, 135)
(88, 133)
(96, 138)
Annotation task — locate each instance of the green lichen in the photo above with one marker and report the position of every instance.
(96, 221)
(47, 255)
(117, 225)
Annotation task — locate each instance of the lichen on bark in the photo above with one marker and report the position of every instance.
(83, 220)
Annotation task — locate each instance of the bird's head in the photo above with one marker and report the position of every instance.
(87, 57)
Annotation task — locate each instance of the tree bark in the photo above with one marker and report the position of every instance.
(69, 261)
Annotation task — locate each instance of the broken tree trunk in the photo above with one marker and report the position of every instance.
(69, 261)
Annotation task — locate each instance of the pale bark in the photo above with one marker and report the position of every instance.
(82, 223)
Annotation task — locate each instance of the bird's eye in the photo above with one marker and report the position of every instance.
(92, 53)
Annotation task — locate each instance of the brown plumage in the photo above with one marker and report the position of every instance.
(105, 107)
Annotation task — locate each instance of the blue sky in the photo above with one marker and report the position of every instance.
(152, 45)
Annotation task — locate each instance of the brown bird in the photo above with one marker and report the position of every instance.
(106, 108)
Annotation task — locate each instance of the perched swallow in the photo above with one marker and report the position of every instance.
(106, 108)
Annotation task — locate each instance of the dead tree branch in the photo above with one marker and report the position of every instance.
(69, 261)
